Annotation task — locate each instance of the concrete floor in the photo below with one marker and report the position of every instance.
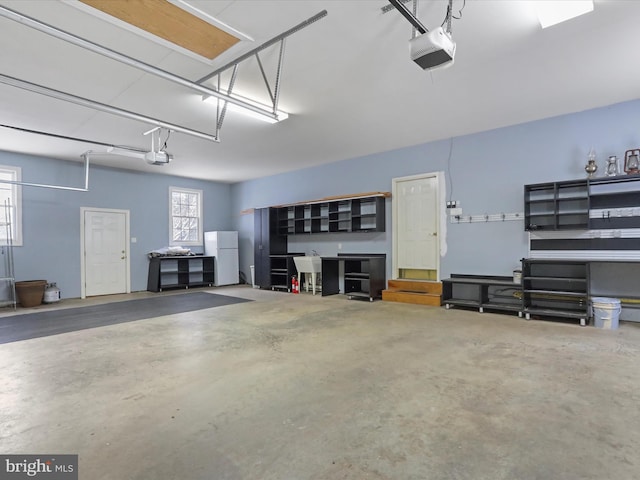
(302, 387)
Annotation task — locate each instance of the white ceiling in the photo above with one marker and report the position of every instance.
(347, 82)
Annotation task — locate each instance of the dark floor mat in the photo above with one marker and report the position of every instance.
(53, 322)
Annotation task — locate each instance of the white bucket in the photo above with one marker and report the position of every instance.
(517, 276)
(606, 312)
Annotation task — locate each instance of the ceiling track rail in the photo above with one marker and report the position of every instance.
(122, 58)
(404, 11)
(74, 139)
(85, 102)
(388, 8)
(85, 157)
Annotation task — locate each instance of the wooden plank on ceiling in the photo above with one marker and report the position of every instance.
(163, 19)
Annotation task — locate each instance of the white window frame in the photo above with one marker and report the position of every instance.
(15, 175)
(200, 195)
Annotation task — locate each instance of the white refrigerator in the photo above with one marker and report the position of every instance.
(224, 247)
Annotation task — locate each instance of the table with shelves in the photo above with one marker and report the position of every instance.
(491, 292)
(180, 272)
(282, 269)
(364, 275)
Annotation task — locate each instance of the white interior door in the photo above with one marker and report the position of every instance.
(105, 252)
(416, 217)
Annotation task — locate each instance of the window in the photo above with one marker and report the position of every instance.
(185, 206)
(11, 197)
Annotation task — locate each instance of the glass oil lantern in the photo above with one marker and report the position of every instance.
(611, 169)
(632, 161)
(591, 167)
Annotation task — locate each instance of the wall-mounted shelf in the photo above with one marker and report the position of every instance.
(589, 204)
(557, 206)
(615, 202)
(357, 214)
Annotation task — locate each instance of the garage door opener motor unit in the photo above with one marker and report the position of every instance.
(430, 49)
(433, 49)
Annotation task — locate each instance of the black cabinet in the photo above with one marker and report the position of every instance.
(597, 203)
(615, 202)
(282, 270)
(365, 214)
(364, 275)
(556, 288)
(180, 272)
(556, 206)
(492, 292)
(267, 242)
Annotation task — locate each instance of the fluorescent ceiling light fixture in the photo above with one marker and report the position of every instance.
(551, 12)
(231, 107)
(151, 157)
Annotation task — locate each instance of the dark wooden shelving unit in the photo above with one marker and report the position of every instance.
(268, 244)
(364, 275)
(556, 288)
(282, 270)
(363, 214)
(556, 205)
(490, 292)
(180, 272)
(597, 203)
(615, 202)
(274, 265)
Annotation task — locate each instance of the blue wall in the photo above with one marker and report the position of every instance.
(51, 218)
(486, 173)
(486, 170)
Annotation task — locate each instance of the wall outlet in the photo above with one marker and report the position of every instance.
(455, 211)
(339, 246)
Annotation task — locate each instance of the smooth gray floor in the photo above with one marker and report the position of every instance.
(303, 387)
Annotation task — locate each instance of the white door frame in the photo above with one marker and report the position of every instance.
(441, 223)
(82, 247)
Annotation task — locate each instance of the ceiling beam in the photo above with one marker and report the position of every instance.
(266, 44)
(85, 102)
(132, 62)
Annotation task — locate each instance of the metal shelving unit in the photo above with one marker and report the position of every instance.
(556, 288)
(489, 292)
